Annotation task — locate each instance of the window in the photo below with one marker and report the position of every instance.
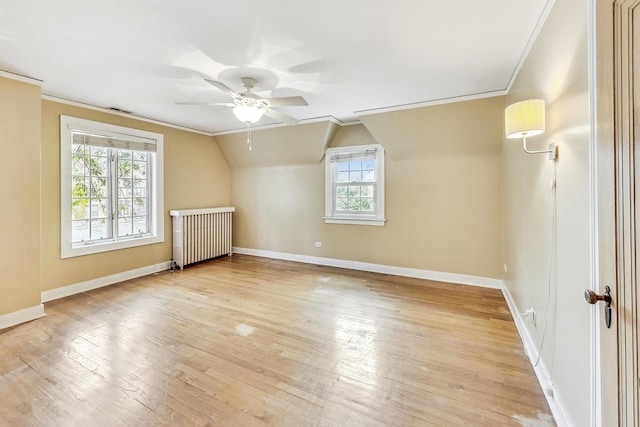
(111, 187)
(354, 185)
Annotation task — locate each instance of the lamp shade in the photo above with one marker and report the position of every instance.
(525, 118)
(248, 114)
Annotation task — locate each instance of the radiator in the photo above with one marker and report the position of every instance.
(200, 234)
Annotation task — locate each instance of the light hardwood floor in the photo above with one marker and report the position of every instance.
(247, 341)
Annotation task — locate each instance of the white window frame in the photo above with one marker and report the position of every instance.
(68, 125)
(333, 217)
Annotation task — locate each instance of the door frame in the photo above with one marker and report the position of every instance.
(595, 366)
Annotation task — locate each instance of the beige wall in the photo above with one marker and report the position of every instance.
(195, 175)
(443, 193)
(555, 70)
(20, 195)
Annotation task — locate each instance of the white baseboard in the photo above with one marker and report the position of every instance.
(88, 285)
(21, 316)
(542, 373)
(438, 276)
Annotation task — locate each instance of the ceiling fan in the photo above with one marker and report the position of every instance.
(249, 107)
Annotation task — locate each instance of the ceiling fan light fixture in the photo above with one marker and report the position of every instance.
(248, 114)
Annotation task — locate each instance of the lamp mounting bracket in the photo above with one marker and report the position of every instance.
(553, 149)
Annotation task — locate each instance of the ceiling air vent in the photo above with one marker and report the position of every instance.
(119, 110)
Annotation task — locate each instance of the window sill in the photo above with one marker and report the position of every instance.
(95, 248)
(354, 221)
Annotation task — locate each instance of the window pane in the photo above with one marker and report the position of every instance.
(355, 166)
(341, 191)
(140, 225)
(343, 176)
(139, 155)
(79, 208)
(140, 192)
(140, 170)
(342, 204)
(366, 191)
(124, 193)
(98, 151)
(79, 165)
(369, 176)
(343, 166)
(354, 191)
(98, 208)
(99, 229)
(124, 155)
(124, 168)
(124, 227)
(80, 186)
(139, 206)
(79, 231)
(124, 188)
(80, 150)
(355, 176)
(140, 183)
(124, 208)
(125, 183)
(99, 166)
(98, 187)
(354, 205)
(368, 165)
(367, 204)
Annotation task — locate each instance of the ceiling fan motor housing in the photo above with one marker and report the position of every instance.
(249, 82)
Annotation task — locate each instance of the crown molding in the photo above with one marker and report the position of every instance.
(431, 103)
(279, 125)
(20, 78)
(118, 113)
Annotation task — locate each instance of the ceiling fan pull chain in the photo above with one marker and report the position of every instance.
(249, 135)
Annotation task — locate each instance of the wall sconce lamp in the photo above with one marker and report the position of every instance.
(526, 118)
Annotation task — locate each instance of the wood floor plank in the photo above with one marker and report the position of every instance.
(248, 341)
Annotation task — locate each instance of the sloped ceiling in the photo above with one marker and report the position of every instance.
(343, 57)
(298, 145)
(473, 127)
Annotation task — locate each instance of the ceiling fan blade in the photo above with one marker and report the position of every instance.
(223, 87)
(277, 115)
(226, 104)
(250, 95)
(286, 101)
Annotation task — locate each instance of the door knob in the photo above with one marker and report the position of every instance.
(593, 298)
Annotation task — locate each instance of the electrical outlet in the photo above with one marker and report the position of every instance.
(530, 315)
(318, 244)
(549, 392)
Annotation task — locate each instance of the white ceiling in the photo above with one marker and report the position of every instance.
(342, 56)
